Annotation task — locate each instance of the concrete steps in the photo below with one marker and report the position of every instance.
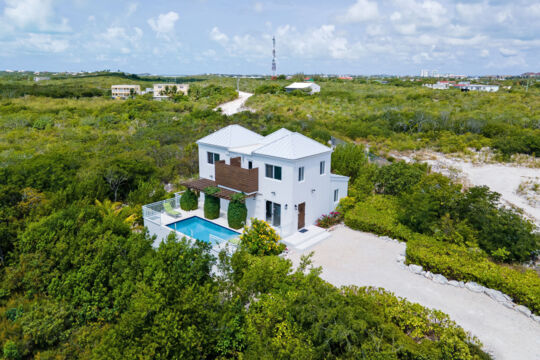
(303, 241)
(313, 241)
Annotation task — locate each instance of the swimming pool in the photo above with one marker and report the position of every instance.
(204, 230)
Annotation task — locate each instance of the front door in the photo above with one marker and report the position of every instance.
(301, 215)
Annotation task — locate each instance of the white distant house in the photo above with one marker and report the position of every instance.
(162, 91)
(124, 91)
(479, 87)
(309, 87)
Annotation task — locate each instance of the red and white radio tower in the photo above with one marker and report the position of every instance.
(274, 57)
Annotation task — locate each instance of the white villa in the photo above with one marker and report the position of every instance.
(285, 176)
(308, 87)
(160, 90)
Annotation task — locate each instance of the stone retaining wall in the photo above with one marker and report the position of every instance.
(471, 286)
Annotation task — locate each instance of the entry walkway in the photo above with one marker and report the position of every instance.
(352, 257)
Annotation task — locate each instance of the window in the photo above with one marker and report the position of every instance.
(301, 173)
(273, 172)
(250, 164)
(321, 168)
(212, 157)
(273, 213)
(336, 195)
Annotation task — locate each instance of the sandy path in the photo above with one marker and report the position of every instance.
(235, 106)
(351, 257)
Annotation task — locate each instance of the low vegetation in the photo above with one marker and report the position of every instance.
(79, 278)
(462, 233)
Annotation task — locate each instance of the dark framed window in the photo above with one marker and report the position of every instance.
(321, 167)
(273, 172)
(250, 164)
(336, 195)
(212, 157)
(301, 173)
(273, 213)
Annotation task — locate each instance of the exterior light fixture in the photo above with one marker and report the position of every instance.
(312, 191)
(286, 206)
(296, 207)
(274, 193)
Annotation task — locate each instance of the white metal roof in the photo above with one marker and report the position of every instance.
(299, 85)
(282, 143)
(292, 146)
(231, 136)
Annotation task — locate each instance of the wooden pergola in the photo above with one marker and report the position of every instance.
(201, 184)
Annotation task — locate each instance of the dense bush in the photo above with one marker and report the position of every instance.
(237, 212)
(465, 264)
(300, 316)
(211, 205)
(189, 201)
(399, 177)
(261, 239)
(269, 89)
(349, 160)
(378, 214)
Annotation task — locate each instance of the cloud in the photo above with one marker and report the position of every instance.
(44, 43)
(507, 52)
(164, 24)
(218, 36)
(362, 10)
(321, 42)
(34, 15)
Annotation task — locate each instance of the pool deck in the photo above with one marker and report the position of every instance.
(298, 241)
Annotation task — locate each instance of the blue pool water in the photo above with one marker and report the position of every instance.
(203, 230)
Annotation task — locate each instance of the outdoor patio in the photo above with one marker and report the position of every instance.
(162, 213)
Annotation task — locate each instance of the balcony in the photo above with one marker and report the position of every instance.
(230, 179)
(235, 177)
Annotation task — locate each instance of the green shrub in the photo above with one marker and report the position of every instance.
(378, 214)
(188, 200)
(11, 351)
(399, 177)
(349, 160)
(237, 212)
(261, 239)
(211, 207)
(468, 264)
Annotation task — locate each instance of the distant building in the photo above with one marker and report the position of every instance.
(124, 91)
(161, 90)
(440, 85)
(478, 87)
(309, 87)
(41, 78)
(147, 91)
(424, 73)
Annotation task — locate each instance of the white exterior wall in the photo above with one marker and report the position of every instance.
(288, 191)
(342, 186)
(317, 202)
(315, 88)
(207, 170)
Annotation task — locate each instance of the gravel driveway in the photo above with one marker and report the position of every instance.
(352, 257)
(232, 107)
